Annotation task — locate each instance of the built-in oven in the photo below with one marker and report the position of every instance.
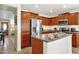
(63, 22)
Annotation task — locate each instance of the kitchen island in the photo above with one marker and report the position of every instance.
(59, 45)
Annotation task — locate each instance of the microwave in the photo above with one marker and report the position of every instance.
(63, 22)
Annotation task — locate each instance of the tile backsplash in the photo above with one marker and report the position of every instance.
(57, 27)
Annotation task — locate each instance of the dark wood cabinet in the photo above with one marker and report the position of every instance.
(74, 40)
(37, 46)
(25, 40)
(46, 22)
(55, 20)
(76, 18)
(72, 18)
(25, 30)
(26, 27)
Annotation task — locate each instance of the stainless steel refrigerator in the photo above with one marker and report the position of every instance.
(36, 27)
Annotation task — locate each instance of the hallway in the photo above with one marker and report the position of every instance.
(8, 47)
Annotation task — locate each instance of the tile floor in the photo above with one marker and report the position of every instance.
(27, 50)
(75, 50)
(9, 48)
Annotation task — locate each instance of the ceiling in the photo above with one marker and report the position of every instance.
(45, 9)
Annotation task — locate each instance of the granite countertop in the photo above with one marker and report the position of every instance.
(49, 39)
(52, 31)
(72, 32)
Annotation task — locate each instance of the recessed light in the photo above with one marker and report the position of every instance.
(51, 11)
(65, 6)
(36, 6)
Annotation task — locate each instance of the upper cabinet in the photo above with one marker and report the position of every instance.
(54, 20)
(25, 29)
(72, 18)
(34, 15)
(46, 22)
(77, 17)
(25, 26)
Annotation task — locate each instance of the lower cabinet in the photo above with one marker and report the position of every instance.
(37, 46)
(74, 40)
(25, 42)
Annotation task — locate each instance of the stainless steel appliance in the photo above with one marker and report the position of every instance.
(63, 22)
(36, 27)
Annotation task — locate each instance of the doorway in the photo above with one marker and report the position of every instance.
(7, 44)
(4, 27)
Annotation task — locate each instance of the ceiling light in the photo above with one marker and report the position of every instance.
(64, 6)
(51, 11)
(36, 6)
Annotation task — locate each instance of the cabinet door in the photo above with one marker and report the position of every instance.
(25, 42)
(54, 20)
(46, 22)
(76, 18)
(72, 18)
(37, 46)
(25, 22)
(74, 40)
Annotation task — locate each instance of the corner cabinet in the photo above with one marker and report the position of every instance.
(54, 20)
